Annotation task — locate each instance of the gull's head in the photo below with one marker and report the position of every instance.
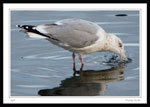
(116, 46)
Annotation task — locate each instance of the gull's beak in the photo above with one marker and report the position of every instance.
(123, 56)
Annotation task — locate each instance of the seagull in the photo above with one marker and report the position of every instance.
(77, 36)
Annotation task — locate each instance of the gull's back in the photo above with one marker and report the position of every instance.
(77, 33)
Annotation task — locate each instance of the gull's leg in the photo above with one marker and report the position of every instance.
(74, 63)
(80, 57)
(73, 57)
(81, 68)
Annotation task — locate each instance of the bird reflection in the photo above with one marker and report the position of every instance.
(87, 83)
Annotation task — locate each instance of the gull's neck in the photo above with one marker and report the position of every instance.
(109, 43)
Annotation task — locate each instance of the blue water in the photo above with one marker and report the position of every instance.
(41, 68)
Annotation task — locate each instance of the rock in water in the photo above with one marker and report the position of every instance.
(121, 15)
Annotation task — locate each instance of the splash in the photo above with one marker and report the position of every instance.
(115, 60)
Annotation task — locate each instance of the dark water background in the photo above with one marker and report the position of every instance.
(40, 68)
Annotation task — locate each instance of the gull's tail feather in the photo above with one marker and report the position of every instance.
(27, 27)
(34, 33)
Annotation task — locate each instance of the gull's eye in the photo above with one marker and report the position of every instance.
(120, 45)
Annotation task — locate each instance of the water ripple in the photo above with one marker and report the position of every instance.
(136, 68)
(114, 23)
(131, 44)
(35, 21)
(32, 86)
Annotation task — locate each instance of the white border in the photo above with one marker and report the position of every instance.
(77, 6)
(70, 7)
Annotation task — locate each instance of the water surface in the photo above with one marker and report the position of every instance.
(39, 68)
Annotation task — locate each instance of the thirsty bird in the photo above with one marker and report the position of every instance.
(77, 36)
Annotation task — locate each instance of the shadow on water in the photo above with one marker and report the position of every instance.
(87, 83)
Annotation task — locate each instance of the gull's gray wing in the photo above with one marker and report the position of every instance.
(74, 32)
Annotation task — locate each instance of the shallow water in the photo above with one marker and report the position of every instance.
(41, 68)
